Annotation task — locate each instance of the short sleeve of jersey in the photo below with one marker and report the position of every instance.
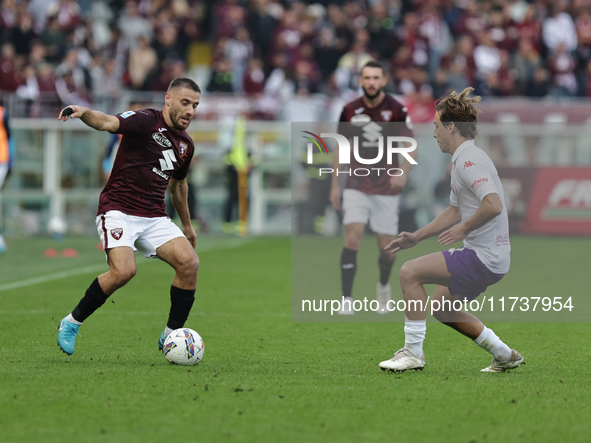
(136, 121)
(183, 171)
(475, 177)
(453, 199)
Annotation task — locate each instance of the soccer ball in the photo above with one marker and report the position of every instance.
(183, 347)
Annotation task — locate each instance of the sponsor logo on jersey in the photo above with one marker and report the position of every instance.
(160, 173)
(502, 240)
(161, 140)
(116, 233)
(126, 114)
(478, 183)
(183, 150)
(468, 164)
(360, 120)
(387, 115)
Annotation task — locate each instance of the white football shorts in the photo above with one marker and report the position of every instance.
(380, 210)
(144, 234)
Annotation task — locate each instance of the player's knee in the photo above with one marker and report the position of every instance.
(124, 275)
(406, 273)
(189, 267)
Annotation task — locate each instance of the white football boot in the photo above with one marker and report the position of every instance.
(403, 360)
(515, 361)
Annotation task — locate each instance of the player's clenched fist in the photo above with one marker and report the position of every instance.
(72, 111)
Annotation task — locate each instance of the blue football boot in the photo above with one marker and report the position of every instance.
(66, 336)
(161, 341)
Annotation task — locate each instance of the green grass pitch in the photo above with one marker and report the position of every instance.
(264, 378)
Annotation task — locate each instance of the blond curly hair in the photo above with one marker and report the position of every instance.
(460, 109)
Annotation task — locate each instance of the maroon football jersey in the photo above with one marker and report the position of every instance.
(361, 119)
(150, 153)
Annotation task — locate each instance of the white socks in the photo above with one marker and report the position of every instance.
(72, 320)
(489, 341)
(414, 335)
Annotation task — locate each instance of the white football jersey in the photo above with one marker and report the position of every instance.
(473, 177)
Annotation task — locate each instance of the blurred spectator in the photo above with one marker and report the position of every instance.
(506, 75)
(470, 22)
(142, 62)
(456, 76)
(435, 30)
(8, 73)
(239, 51)
(441, 86)
(381, 29)
(170, 71)
(54, 40)
(229, 16)
(326, 52)
(305, 80)
(133, 26)
(583, 27)
(30, 89)
(254, 77)
(539, 85)
(222, 77)
(166, 44)
(261, 24)
(530, 28)
(68, 15)
(560, 28)
(8, 14)
(350, 64)
(562, 66)
(40, 11)
(22, 35)
(486, 57)
(280, 83)
(408, 35)
(525, 61)
(46, 82)
(106, 78)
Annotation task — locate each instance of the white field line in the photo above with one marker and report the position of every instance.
(103, 267)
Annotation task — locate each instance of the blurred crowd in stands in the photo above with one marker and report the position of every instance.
(77, 50)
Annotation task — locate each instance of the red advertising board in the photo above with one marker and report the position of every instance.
(560, 202)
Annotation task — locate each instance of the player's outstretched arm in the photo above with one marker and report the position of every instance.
(489, 208)
(95, 119)
(179, 193)
(448, 218)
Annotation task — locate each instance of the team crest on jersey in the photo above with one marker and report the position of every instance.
(387, 115)
(161, 140)
(116, 233)
(183, 149)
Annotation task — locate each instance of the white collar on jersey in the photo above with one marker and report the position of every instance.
(463, 146)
